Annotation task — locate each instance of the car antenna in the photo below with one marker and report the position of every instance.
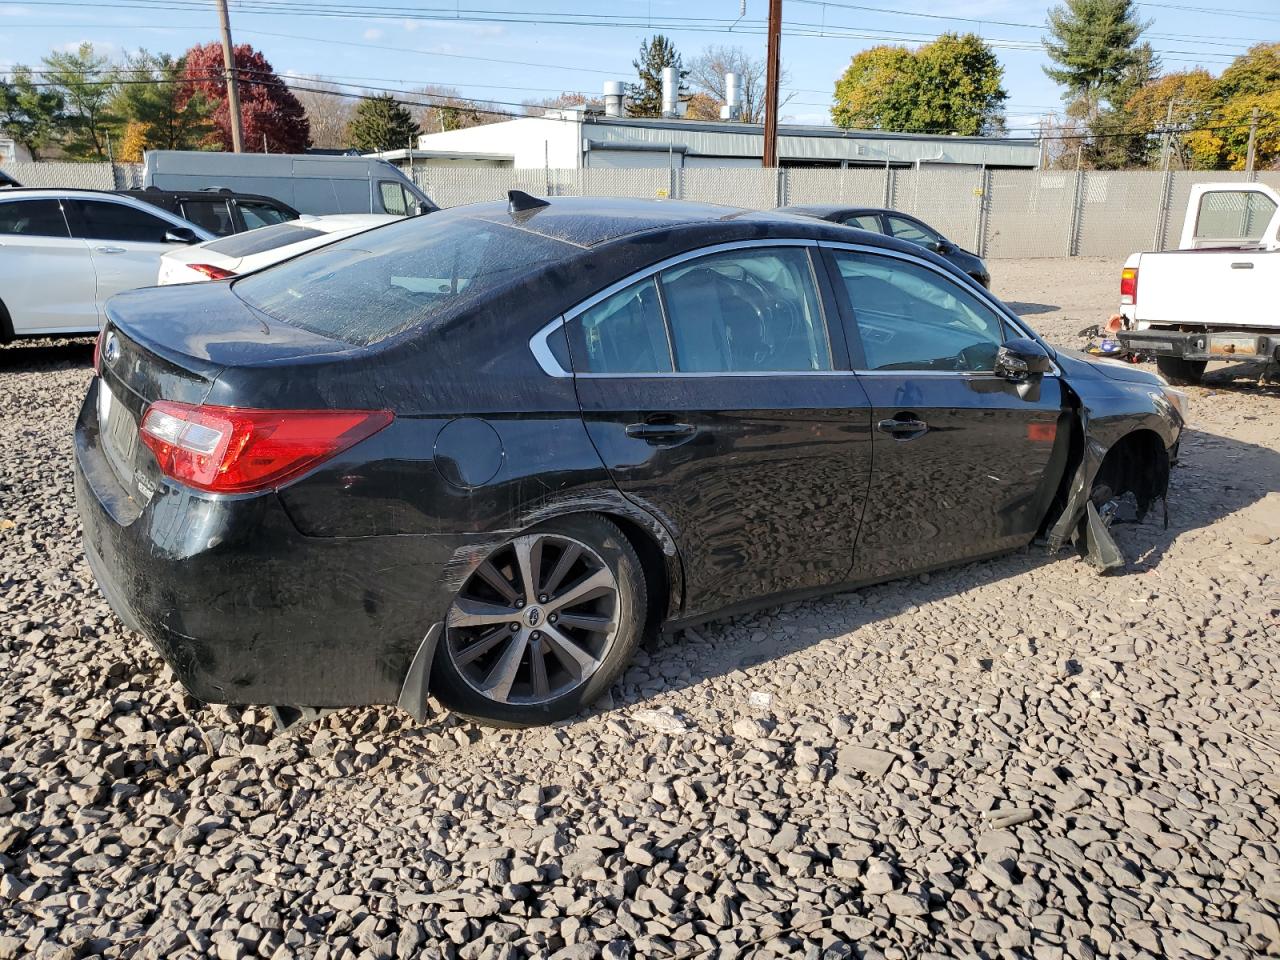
(518, 202)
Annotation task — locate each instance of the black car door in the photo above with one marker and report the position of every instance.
(965, 463)
(718, 395)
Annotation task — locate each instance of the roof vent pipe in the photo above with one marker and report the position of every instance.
(613, 105)
(670, 92)
(732, 108)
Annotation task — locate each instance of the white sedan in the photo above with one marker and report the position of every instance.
(243, 252)
(64, 253)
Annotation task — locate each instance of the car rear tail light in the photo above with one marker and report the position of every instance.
(210, 271)
(233, 450)
(1129, 285)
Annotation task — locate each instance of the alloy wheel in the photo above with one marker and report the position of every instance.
(535, 620)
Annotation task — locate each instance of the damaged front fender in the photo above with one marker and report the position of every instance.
(1123, 447)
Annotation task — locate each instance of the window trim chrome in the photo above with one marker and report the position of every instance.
(541, 348)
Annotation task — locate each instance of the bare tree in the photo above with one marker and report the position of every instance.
(537, 108)
(707, 70)
(444, 108)
(327, 109)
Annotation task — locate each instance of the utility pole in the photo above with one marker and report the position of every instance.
(772, 72)
(233, 88)
(1253, 137)
(1168, 129)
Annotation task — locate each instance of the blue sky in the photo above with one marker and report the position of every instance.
(473, 46)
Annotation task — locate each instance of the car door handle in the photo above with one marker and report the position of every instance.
(903, 429)
(110, 250)
(1242, 266)
(659, 431)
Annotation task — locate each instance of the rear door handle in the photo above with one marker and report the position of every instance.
(1242, 266)
(659, 431)
(903, 429)
(110, 250)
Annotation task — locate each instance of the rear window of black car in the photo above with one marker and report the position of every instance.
(261, 240)
(374, 285)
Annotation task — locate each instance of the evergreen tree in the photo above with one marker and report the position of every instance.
(380, 123)
(87, 84)
(30, 115)
(655, 55)
(159, 111)
(1094, 45)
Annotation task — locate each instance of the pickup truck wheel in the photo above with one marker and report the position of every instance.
(1180, 372)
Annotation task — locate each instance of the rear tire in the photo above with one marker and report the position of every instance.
(6, 325)
(533, 665)
(1180, 372)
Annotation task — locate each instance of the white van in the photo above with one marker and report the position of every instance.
(309, 184)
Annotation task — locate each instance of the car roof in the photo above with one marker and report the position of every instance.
(592, 221)
(826, 210)
(221, 194)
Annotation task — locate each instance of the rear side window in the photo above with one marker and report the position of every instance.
(33, 218)
(746, 311)
(213, 215)
(103, 220)
(393, 198)
(373, 285)
(257, 214)
(260, 241)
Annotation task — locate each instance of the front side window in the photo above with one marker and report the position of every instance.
(910, 318)
(393, 198)
(912, 232)
(115, 221)
(33, 218)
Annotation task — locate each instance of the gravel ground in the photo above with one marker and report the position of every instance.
(1013, 758)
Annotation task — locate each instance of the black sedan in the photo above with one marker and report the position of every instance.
(894, 223)
(483, 453)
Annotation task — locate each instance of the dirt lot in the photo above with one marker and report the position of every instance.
(1015, 758)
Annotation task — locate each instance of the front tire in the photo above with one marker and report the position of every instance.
(544, 625)
(1180, 372)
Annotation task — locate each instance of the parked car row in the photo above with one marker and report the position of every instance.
(482, 454)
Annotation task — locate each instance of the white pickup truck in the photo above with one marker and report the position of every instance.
(1217, 297)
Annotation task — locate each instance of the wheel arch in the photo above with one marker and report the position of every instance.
(6, 325)
(1138, 463)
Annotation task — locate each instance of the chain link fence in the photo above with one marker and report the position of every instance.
(995, 213)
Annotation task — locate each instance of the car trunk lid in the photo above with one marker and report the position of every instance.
(173, 343)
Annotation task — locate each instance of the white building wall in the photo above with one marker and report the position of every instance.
(529, 141)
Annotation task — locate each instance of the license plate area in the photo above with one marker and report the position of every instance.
(119, 431)
(1220, 346)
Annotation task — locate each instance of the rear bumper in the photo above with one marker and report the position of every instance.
(1236, 346)
(245, 608)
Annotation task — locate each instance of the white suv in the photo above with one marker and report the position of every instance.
(64, 253)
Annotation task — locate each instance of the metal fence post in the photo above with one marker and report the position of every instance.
(980, 227)
(890, 185)
(780, 188)
(1077, 209)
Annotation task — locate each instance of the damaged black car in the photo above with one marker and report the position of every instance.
(478, 456)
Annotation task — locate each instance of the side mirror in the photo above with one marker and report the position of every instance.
(180, 235)
(422, 207)
(940, 246)
(1022, 358)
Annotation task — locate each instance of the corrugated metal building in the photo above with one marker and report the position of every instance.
(577, 139)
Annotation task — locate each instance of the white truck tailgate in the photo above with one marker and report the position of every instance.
(1236, 288)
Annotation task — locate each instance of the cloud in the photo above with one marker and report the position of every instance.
(373, 33)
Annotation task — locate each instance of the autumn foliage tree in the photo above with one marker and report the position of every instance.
(270, 115)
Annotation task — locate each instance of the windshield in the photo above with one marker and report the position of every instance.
(370, 286)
